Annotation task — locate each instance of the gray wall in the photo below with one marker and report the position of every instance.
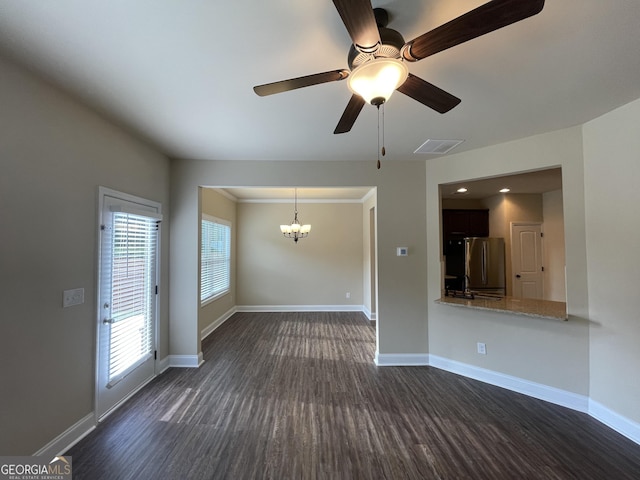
(54, 153)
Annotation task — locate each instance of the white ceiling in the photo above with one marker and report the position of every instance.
(180, 73)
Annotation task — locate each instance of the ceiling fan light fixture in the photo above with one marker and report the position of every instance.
(377, 79)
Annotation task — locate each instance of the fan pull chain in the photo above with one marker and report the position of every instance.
(381, 150)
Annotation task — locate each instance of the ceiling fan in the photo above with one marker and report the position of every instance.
(380, 53)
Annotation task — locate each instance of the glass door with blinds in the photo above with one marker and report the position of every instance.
(127, 309)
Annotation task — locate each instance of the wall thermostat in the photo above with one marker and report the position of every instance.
(402, 251)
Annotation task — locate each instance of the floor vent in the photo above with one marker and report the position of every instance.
(438, 147)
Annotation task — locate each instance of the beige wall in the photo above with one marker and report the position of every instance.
(549, 352)
(402, 325)
(269, 271)
(220, 206)
(54, 154)
(612, 170)
(317, 271)
(497, 216)
(369, 254)
(554, 247)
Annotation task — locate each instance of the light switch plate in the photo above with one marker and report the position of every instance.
(73, 297)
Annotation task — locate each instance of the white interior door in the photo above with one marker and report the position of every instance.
(129, 232)
(526, 260)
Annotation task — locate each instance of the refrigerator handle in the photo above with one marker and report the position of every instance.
(484, 263)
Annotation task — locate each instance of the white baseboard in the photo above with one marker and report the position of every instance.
(532, 389)
(401, 359)
(163, 364)
(69, 437)
(185, 361)
(574, 401)
(192, 361)
(620, 424)
(216, 323)
(300, 308)
(371, 316)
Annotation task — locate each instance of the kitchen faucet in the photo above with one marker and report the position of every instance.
(466, 292)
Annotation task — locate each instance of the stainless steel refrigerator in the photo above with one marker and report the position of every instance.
(484, 265)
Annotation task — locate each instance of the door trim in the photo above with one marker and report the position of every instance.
(511, 253)
(102, 193)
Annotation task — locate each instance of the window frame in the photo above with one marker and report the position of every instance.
(214, 294)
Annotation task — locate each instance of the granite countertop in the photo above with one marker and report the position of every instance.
(519, 306)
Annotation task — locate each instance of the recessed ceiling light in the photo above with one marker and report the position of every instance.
(462, 190)
(505, 190)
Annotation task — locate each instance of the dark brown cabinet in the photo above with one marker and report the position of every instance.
(457, 224)
(460, 223)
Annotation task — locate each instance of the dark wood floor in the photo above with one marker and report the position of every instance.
(297, 396)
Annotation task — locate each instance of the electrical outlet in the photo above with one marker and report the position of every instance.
(73, 297)
(348, 294)
(482, 348)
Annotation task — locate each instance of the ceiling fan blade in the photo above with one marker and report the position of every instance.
(300, 82)
(485, 19)
(350, 114)
(428, 94)
(360, 21)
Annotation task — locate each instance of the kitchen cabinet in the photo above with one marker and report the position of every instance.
(460, 223)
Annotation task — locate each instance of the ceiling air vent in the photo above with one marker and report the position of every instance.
(438, 147)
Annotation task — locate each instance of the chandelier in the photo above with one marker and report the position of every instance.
(295, 230)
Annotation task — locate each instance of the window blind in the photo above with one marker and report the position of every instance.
(215, 258)
(133, 284)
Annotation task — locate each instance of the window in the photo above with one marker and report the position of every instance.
(215, 258)
(133, 286)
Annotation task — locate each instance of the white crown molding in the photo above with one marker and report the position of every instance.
(288, 201)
